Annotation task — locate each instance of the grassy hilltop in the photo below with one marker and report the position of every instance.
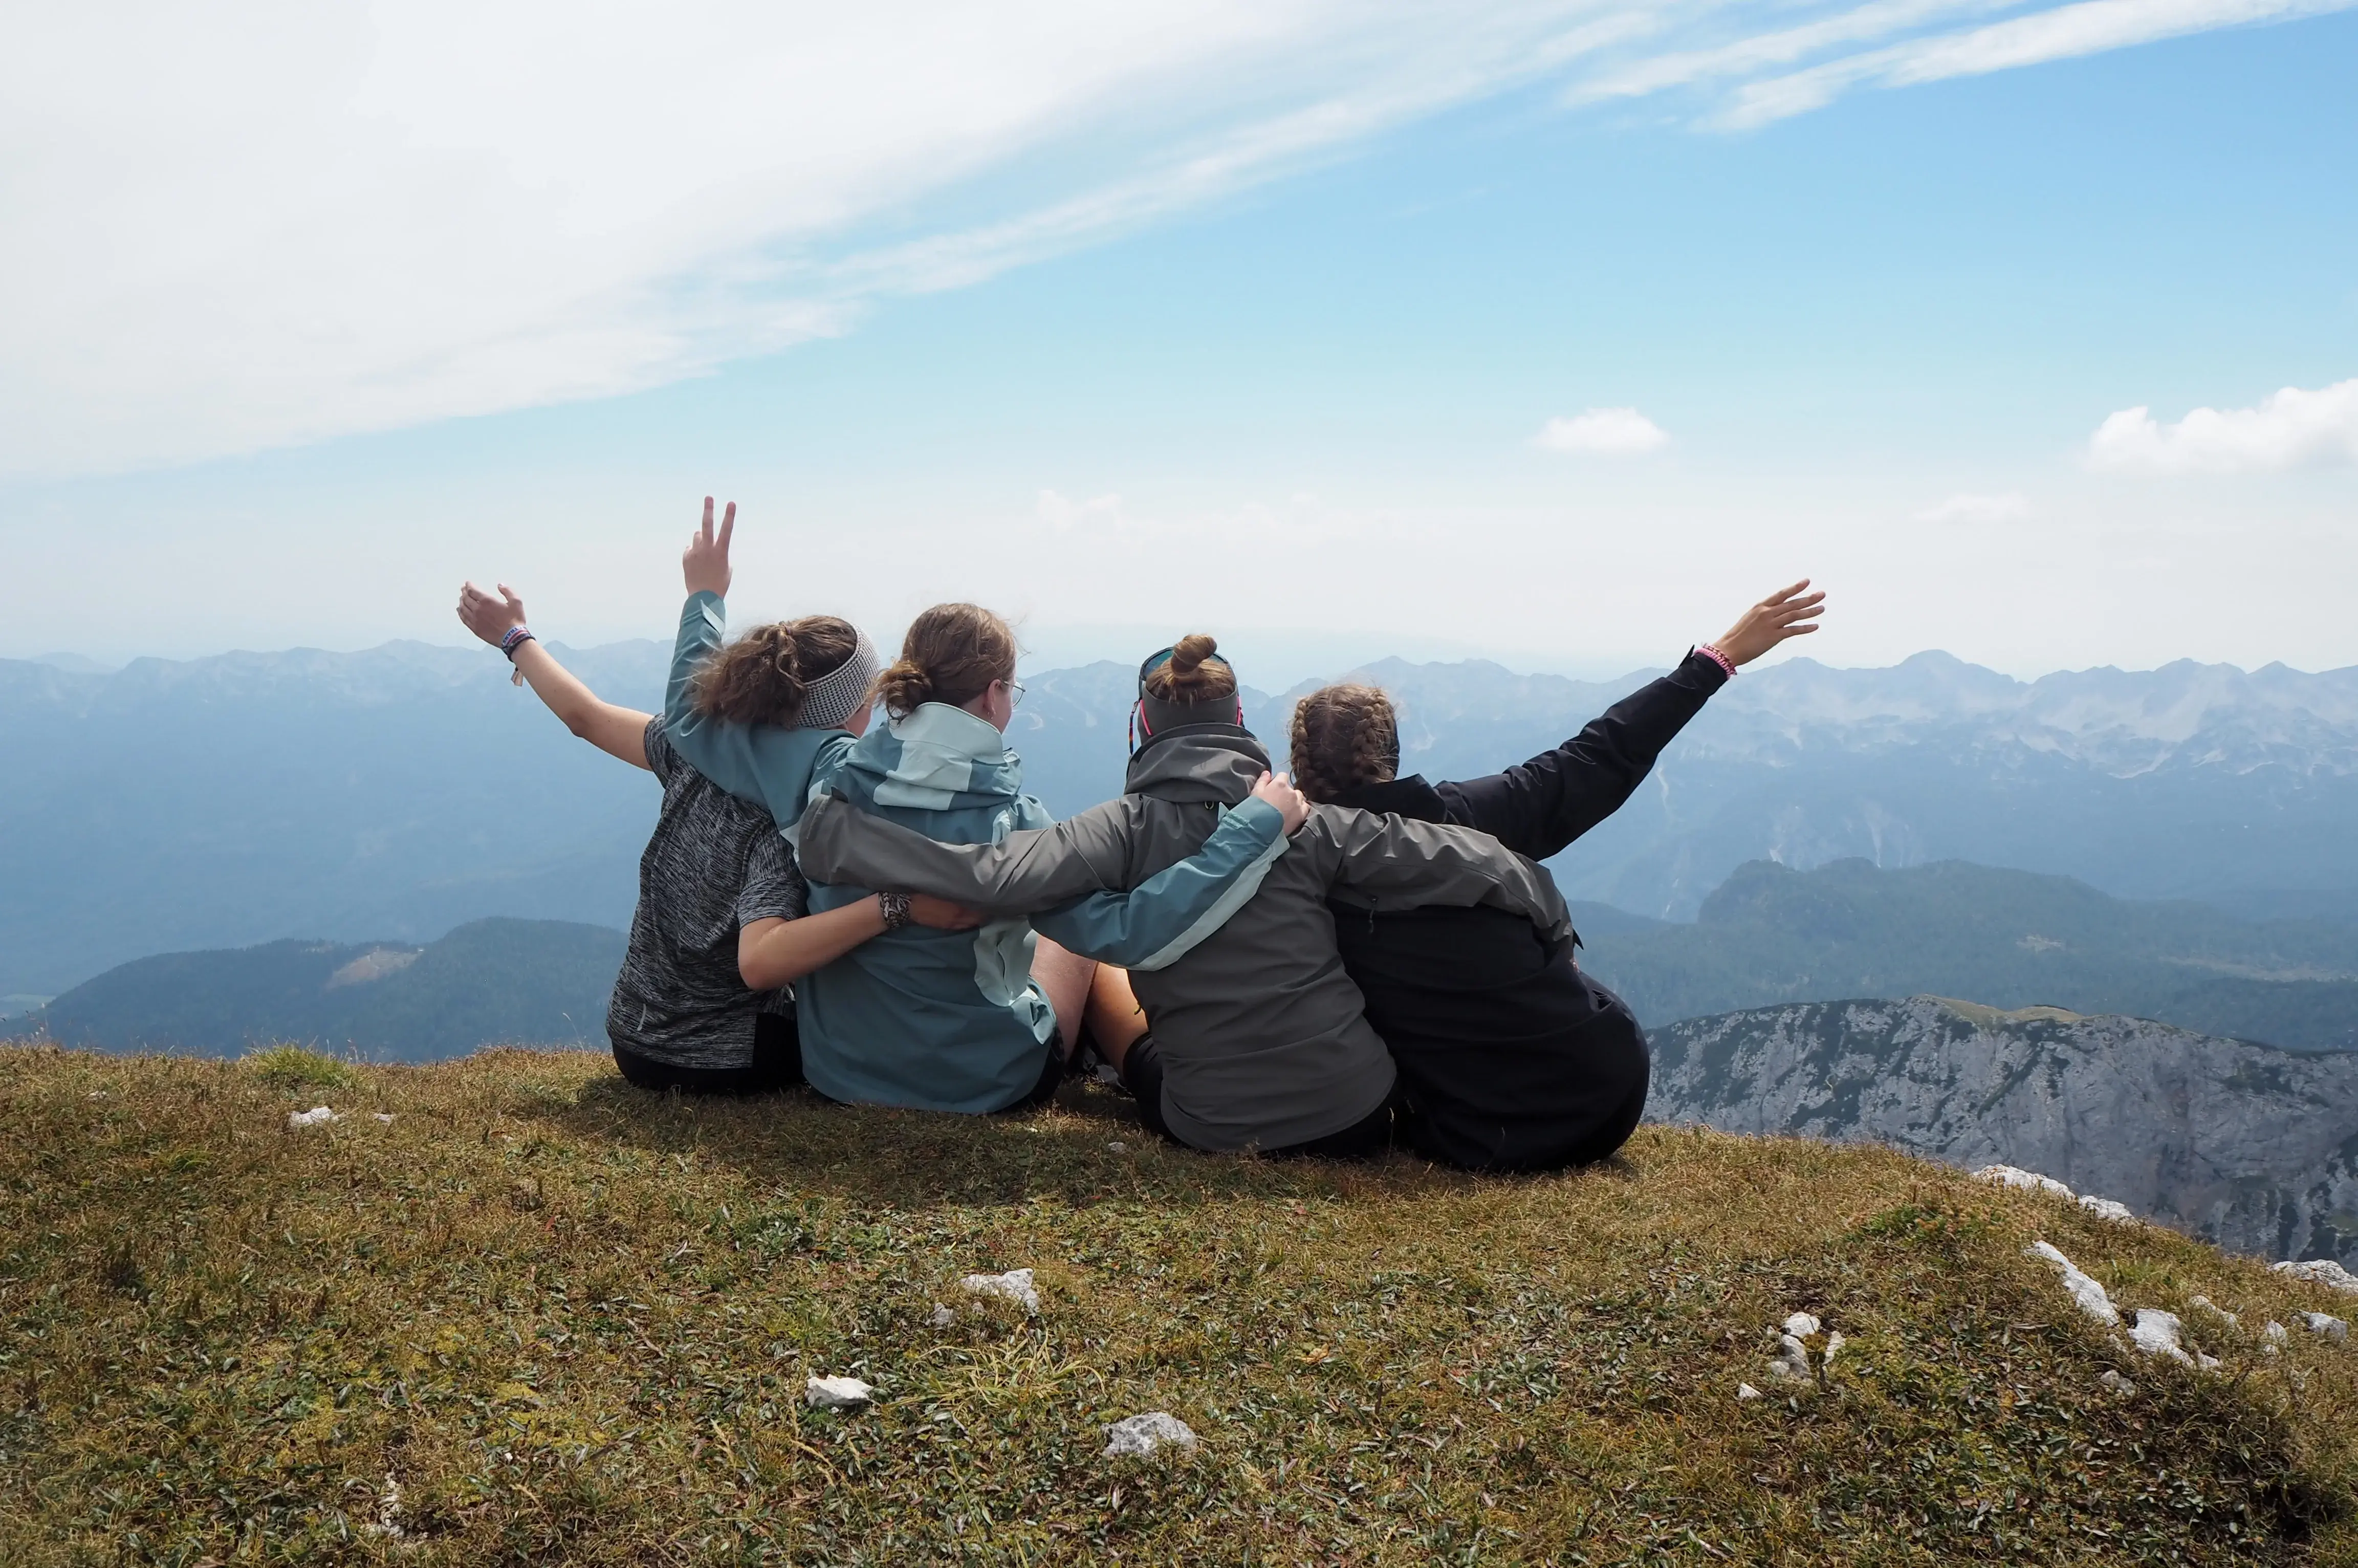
(539, 1317)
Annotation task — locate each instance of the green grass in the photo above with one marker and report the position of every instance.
(563, 1320)
(292, 1067)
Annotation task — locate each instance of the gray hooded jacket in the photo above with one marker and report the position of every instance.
(1263, 1038)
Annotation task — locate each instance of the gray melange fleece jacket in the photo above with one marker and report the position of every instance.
(1263, 1038)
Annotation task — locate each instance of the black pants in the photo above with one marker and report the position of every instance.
(778, 1064)
(1569, 1094)
(1141, 1074)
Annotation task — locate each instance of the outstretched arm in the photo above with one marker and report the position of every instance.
(617, 730)
(1537, 807)
(767, 766)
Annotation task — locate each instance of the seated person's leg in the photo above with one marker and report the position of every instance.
(1064, 978)
(1114, 1017)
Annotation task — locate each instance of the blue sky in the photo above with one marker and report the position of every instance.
(942, 339)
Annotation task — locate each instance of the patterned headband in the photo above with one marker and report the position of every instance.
(842, 691)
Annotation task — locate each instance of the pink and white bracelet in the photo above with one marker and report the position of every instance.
(1709, 651)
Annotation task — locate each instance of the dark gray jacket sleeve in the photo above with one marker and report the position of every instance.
(1390, 863)
(1070, 878)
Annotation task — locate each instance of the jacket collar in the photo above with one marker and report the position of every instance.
(1410, 797)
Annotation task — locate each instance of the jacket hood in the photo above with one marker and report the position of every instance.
(939, 758)
(1217, 763)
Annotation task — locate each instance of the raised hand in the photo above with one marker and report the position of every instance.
(705, 563)
(941, 915)
(487, 617)
(1787, 613)
(1278, 791)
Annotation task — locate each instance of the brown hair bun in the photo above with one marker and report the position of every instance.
(1193, 672)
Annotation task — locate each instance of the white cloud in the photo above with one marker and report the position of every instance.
(343, 215)
(1603, 432)
(2010, 507)
(2062, 32)
(2288, 429)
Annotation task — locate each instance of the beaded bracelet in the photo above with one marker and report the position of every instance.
(517, 636)
(895, 906)
(1716, 657)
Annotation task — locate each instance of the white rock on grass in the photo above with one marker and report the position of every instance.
(2023, 1180)
(2272, 1338)
(383, 1117)
(1791, 1362)
(1747, 1391)
(2107, 1209)
(2082, 1290)
(942, 1317)
(2326, 1324)
(1139, 1436)
(1802, 1324)
(1835, 1342)
(2118, 1384)
(838, 1393)
(1015, 1285)
(318, 1115)
(2321, 1272)
(2204, 1303)
(2156, 1333)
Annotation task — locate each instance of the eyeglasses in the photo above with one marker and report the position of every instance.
(1015, 693)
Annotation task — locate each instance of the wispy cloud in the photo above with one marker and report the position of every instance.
(2064, 32)
(2288, 429)
(1603, 432)
(2009, 507)
(355, 216)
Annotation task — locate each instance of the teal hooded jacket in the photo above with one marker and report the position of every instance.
(942, 1019)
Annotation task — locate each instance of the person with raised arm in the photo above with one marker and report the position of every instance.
(969, 1021)
(704, 999)
(1257, 1041)
(1510, 1057)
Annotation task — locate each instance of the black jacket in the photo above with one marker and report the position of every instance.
(1510, 1058)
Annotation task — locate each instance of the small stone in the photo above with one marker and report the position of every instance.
(1791, 1362)
(2118, 1384)
(2272, 1338)
(2205, 1305)
(383, 1117)
(1747, 1391)
(838, 1393)
(1833, 1342)
(1015, 1285)
(2023, 1180)
(2155, 1333)
(318, 1115)
(2085, 1292)
(2321, 1272)
(2106, 1208)
(1802, 1324)
(1119, 1147)
(1141, 1435)
(2326, 1324)
(942, 1317)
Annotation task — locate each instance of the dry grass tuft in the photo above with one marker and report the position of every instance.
(542, 1318)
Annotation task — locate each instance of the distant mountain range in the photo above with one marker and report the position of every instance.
(1770, 934)
(2253, 1148)
(489, 983)
(397, 793)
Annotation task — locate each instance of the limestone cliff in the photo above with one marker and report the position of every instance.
(2247, 1146)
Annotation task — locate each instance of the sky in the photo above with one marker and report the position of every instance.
(1551, 332)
